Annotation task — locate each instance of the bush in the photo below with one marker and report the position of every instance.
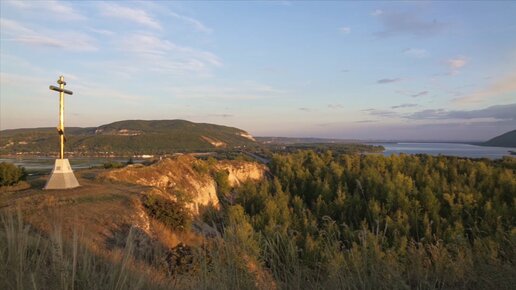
(221, 178)
(172, 214)
(113, 164)
(11, 174)
(201, 167)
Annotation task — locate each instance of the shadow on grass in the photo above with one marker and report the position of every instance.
(37, 183)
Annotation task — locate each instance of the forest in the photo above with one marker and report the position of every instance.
(370, 222)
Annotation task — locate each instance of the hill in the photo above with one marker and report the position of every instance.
(505, 140)
(127, 137)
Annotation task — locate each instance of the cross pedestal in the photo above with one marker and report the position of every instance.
(62, 176)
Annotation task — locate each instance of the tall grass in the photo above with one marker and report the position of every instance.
(31, 260)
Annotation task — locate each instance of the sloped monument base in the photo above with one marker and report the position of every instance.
(62, 176)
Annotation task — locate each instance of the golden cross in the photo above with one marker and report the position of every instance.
(60, 127)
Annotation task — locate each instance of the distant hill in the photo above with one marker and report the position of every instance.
(127, 137)
(505, 140)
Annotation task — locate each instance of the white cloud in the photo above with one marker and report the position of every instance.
(129, 14)
(345, 29)
(57, 10)
(13, 27)
(457, 63)
(25, 35)
(161, 55)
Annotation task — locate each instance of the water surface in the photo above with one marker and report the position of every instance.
(448, 149)
(42, 164)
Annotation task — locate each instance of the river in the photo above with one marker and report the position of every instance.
(448, 149)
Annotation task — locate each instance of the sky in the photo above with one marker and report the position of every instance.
(354, 70)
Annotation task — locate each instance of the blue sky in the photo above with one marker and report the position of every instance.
(360, 70)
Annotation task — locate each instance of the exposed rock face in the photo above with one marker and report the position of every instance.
(189, 175)
(240, 172)
(214, 142)
(248, 136)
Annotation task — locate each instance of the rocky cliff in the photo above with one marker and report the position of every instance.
(186, 174)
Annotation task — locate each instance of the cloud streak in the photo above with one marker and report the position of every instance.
(404, 106)
(164, 55)
(420, 94)
(388, 81)
(52, 7)
(335, 106)
(22, 34)
(405, 23)
(416, 52)
(196, 24)
(498, 112)
(493, 113)
(381, 113)
(498, 88)
(134, 15)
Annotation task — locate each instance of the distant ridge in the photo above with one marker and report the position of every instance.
(127, 137)
(505, 140)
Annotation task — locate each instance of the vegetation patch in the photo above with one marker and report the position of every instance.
(173, 214)
(11, 174)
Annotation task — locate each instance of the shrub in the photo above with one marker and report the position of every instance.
(113, 164)
(11, 174)
(172, 214)
(201, 167)
(221, 178)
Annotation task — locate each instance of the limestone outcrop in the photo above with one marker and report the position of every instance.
(189, 175)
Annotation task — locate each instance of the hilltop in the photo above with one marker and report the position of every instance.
(127, 138)
(505, 140)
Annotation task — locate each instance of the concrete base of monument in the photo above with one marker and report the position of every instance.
(62, 176)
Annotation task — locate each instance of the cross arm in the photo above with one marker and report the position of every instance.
(54, 88)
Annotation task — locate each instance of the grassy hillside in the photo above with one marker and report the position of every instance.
(505, 140)
(127, 137)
